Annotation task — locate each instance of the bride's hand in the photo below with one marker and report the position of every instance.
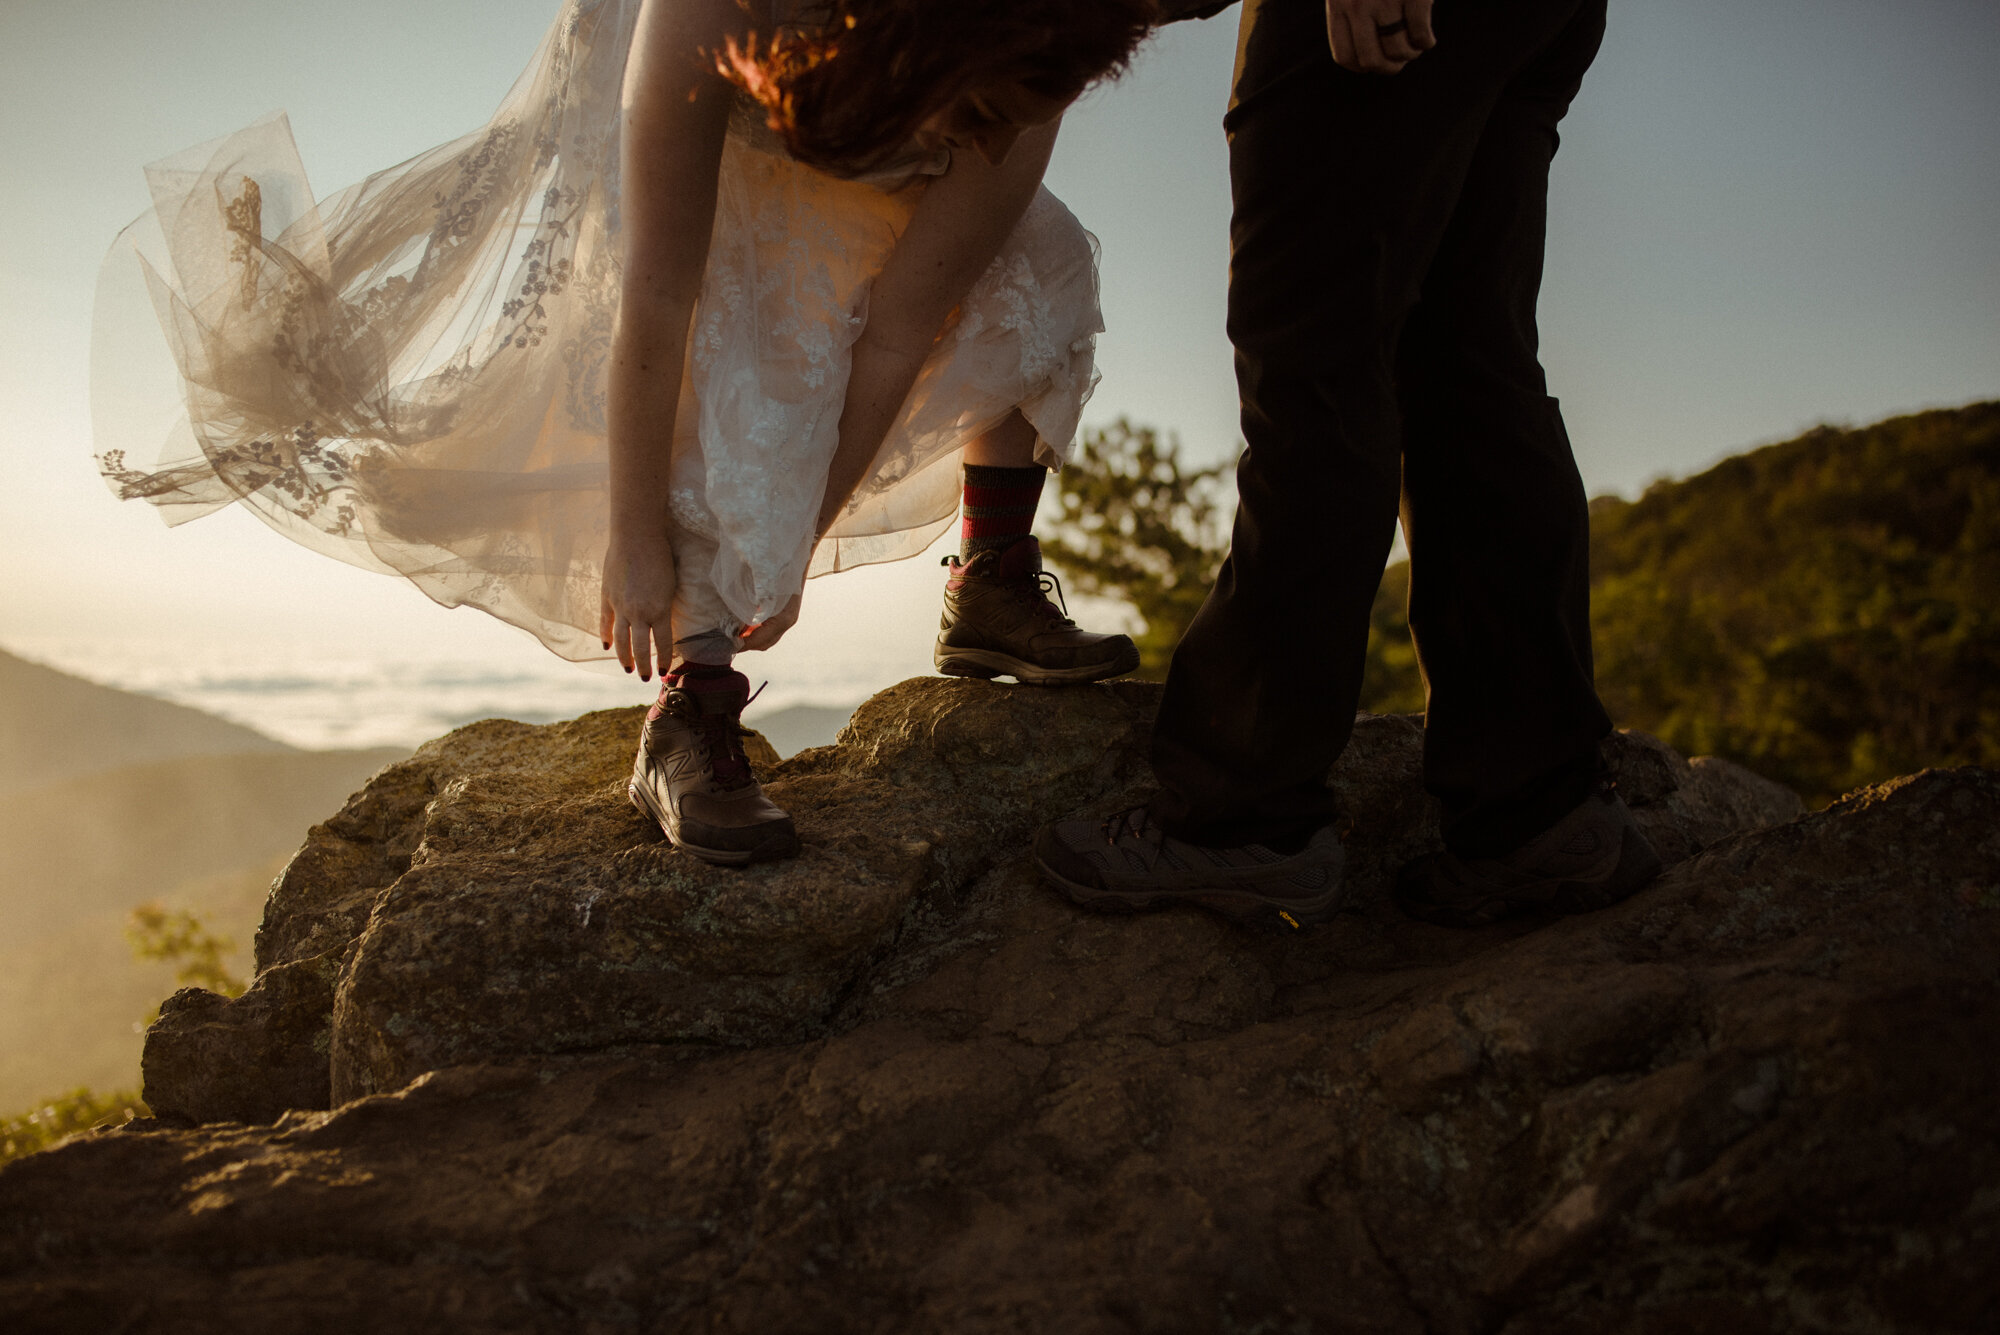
(770, 630)
(635, 615)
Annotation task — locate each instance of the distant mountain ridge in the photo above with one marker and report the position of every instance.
(106, 841)
(797, 727)
(113, 799)
(55, 726)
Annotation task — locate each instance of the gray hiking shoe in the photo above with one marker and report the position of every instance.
(998, 622)
(1128, 864)
(692, 777)
(1590, 859)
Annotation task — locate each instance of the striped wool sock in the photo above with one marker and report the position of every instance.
(699, 678)
(999, 507)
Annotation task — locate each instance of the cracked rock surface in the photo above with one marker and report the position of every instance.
(898, 1086)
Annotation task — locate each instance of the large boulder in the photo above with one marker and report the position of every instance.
(497, 894)
(1757, 1096)
(251, 1059)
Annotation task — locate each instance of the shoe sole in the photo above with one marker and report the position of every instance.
(1637, 865)
(1245, 908)
(721, 857)
(987, 664)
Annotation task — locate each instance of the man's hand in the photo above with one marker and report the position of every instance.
(1378, 36)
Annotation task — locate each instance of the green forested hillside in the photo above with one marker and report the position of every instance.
(1826, 610)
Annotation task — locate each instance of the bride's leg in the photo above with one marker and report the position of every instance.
(1008, 445)
(1003, 486)
(998, 619)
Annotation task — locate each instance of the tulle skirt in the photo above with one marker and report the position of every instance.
(410, 375)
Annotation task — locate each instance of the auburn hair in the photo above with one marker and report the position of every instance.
(849, 90)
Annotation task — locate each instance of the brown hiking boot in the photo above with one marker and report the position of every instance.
(692, 777)
(998, 621)
(1590, 859)
(1128, 864)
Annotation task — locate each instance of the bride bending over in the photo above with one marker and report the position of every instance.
(719, 300)
(879, 91)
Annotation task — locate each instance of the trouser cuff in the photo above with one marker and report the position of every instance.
(1496, 828)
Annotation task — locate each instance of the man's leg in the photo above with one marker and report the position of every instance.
(1494, 509)
(1500, 543)
(1344, 187)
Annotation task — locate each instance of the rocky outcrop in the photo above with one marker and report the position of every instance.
(1758, 1096)
(497, 894)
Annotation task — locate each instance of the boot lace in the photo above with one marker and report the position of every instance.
(1132, 823)
(1045, 583)
(722, 739)
(722, 735)
(1036, 588)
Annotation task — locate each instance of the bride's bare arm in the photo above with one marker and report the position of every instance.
(676, 113)
(957, 229)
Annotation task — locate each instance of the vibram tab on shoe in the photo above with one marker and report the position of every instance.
(1128, 864)
(1590, 859)
(998, 622)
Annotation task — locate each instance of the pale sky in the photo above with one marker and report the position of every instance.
(1764, 216)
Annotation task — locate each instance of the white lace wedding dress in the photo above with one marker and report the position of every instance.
(410, 374)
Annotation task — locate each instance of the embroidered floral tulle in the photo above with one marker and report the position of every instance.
(410, 374)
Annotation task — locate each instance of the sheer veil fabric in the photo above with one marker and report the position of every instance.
(410, 375)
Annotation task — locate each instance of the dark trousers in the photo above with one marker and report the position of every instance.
(1386, 254)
